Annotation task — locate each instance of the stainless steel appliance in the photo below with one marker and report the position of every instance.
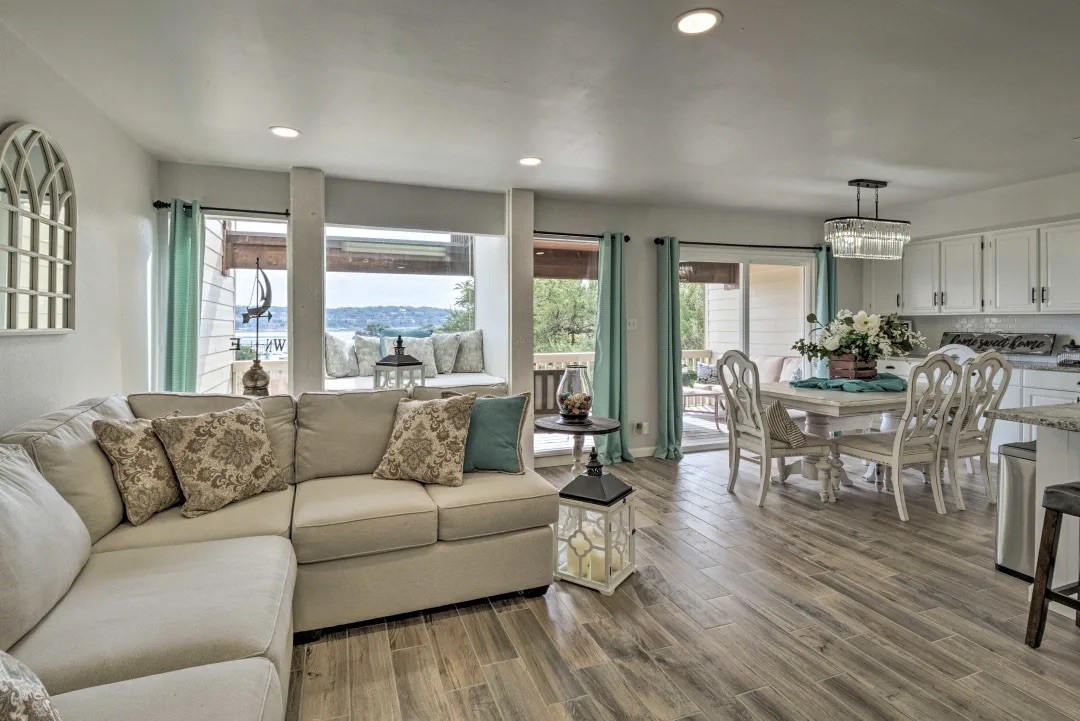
(1016, 507)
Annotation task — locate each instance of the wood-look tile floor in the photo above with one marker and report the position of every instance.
(793, 611)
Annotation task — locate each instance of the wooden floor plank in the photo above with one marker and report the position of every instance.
(549, 670)
(371, 673)
(474, 703)
(325, 690)
(420, 692)
(407, 631)
(514, 692)
(486, 634)
(458, 663)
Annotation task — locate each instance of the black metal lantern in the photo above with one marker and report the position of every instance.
(399, 370)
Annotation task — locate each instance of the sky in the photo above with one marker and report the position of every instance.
(360, 289)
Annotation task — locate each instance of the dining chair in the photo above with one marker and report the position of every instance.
(749, 429)
(968, 431)
(932, 387)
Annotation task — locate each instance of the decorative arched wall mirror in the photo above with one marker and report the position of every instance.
(37, 233)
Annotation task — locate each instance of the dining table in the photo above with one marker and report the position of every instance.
(830, 413)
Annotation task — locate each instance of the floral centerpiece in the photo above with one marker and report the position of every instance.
(854, 341)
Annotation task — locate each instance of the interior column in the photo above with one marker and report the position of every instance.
(519, 237)
(306, 262)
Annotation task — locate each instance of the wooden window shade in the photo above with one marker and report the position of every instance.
(726, 274)
(567, 259)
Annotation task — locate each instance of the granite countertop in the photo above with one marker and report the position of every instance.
(1028, 365)
(1063, 417)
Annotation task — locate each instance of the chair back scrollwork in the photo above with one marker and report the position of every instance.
(740, 382)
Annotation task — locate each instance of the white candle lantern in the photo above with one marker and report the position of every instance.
(594, 536)
(399, 370)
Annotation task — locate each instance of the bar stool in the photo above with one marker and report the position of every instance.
(1059, 500)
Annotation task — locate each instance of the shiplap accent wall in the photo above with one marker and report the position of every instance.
(776, 312)
(217, 321)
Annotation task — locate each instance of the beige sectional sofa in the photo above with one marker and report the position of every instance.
(193, 618)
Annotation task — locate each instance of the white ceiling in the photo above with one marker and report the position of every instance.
(776, 109)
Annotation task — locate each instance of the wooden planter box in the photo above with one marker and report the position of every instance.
(845, 366)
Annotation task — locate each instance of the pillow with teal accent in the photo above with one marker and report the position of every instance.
(387, 336)
(494, 441)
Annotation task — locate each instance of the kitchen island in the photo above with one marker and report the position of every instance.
(1057, 460)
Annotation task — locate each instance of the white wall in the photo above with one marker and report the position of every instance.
(643, 223)
(491, 265)
(114, 185)
(223, 187)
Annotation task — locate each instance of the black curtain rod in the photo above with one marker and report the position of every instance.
(163, 204)
(660, 241)
(595, 236)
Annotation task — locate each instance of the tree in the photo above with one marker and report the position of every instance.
(463, 313)
(564, 315)
(372, 329)
(692, 315)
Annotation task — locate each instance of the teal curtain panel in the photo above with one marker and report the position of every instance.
(825, 298)
(609, 369)
(185, 297)
(669, 344)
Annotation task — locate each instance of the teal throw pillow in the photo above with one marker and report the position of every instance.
(494, 441)
(387, 336)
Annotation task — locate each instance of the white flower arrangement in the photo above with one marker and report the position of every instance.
(867, 336)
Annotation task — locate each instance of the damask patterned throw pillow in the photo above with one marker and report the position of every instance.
(422, 349)
(367, 353)
(470, 355)
(446, 348)
(428, 441)
(22, 696)
(340, 359)
(141, 468)
(220, 457)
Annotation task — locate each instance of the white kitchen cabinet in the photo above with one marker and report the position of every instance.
(921, 280)
(1045, 397)
(961, 275)
(1012, 271)
(886, 286)
(1059, 258)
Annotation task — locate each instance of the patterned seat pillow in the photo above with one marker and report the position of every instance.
(220, 457)
(422, 349)
(706, 373)
(470, 355)
(780, 426)
(22, 695)
(446, 350)
(340, 358)
(367, 352)
(141, 467)
(428, 441)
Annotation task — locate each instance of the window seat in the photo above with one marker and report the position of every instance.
(443, 380)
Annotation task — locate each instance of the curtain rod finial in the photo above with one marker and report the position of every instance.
(658, 241)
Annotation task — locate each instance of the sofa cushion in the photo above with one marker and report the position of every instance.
(221, 457)
(64, 447)
(246, 690)
(341, 434)
(43, 545)
(144, 611)
(348, 516)
(141, 468)
(443, 381)
(464, 387)
(489, 502)
(22, 697)
(280, 412)
(267, 514)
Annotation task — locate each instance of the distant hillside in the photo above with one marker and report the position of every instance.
(353, 318)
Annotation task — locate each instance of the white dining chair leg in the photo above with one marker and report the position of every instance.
(898, 489)
(991, 490)
(935, 487)
(954, 480)
(766, 478)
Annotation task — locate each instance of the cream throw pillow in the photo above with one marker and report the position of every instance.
(428, 441)
(446, 349)
(781, 427)
(220, 457)
(22, 695)
(141, 468)
(366, 349)
(422, 349)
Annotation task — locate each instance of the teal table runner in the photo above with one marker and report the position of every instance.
(882, 382)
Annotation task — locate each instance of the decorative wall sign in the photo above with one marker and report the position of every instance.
(37, 233)
(1007, 343)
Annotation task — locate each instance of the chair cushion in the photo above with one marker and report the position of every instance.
(64, 447)
(144, 611)
(246, 690)
(769, 367)
(342, 434)
(280, 412)
(346, 516)
(1063, 498)
(879, 447)
(428, 441)
(43, 545)
(487, 503)
(267, 514)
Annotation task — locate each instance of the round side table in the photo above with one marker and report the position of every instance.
(597, 426)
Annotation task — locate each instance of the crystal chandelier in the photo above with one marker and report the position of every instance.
(871, 238)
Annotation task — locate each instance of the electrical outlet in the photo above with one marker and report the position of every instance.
(641, 428)
(631, 324)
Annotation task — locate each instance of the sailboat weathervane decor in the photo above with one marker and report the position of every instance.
(256, 380)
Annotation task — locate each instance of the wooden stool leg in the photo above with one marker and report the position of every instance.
(1044, 578)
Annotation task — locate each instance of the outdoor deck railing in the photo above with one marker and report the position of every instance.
(279, 369)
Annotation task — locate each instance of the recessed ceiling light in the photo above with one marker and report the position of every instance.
(284, 131)
(696, 22)
(530, 162)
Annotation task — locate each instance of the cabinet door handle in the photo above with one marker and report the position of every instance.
(897, 300)
(942, 299)
(1032, 294)
(935, 298)
(1044, 294)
